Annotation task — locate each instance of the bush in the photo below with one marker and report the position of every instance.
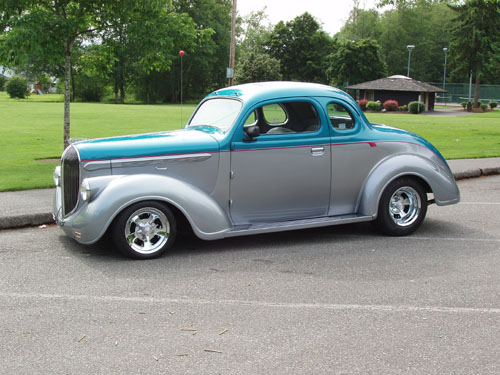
(479, 103)
(89, 88)
(362, 104)
(484, 107)
(391, 105)
(373, 106)
(464, 104)
(493, 104)
(416, 107)
(403, 108)
(17, 87)
(2, 82)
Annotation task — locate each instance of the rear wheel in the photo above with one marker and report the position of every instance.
(402, 207)
(144, 230)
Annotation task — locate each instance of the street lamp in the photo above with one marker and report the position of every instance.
(445, 50)
(410, 48)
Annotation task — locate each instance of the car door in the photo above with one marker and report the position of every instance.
(285, 172)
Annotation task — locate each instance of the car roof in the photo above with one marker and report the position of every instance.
(251, 92)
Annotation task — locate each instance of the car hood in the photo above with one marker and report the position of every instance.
(175, 142)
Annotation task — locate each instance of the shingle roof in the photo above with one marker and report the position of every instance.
(396, 83)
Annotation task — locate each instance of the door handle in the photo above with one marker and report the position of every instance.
(317, 151)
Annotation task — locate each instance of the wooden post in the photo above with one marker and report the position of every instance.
(232, 50)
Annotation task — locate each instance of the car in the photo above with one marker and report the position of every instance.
(253, 158)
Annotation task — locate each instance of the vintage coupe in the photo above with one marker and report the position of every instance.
(254, 158)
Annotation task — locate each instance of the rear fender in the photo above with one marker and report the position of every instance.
(433, 171)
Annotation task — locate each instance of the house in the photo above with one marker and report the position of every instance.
(400, 88)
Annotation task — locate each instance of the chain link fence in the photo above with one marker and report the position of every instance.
(459, 92)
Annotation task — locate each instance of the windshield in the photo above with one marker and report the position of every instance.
(219, 113)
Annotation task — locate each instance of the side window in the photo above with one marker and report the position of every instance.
(274, 114)
(251, 120)
(340, 117)
(288, 117)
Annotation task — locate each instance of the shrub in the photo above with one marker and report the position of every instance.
(479, 103)
(416, 107)
(89, 88)
(373, 106)
(391, 105)
(464, 104)
(403, 108)
(17, 87)
(2, 82)
(493, 104)
(362, 104)
(484, 107)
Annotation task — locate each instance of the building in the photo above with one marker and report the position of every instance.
(400, 88)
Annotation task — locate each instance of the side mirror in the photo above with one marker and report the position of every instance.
(252, 132)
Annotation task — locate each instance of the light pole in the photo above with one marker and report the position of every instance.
(410, 48)
(445, 50)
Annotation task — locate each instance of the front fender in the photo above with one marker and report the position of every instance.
(434, 171)
(92, 219)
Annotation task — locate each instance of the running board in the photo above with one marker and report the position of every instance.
(281, 226)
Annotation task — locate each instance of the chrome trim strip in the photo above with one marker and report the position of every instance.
(96, 165)
(139, 162)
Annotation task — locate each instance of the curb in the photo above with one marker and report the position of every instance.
(474, 173)
(29, 220)
(32, 220)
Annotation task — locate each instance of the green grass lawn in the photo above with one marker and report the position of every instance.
(471, 136)
(32, 129)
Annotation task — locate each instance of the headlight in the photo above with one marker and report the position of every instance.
(57, 176)
(85, 191)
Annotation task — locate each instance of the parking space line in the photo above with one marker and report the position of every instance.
(453, 239)
(485, 203)
(231, 302)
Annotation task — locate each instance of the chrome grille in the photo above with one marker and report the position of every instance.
(70, 180)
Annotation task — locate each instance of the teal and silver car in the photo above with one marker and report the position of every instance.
(253, 158)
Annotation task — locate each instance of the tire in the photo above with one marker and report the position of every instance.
(144, 230)
(402, 207)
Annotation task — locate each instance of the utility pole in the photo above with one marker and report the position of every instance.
(232, 50)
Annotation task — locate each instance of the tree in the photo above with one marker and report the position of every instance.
(475, 38)
(205, 64)
(256, 32)
(361, 24)
(40, 35)
(255, 67)
(254, 63)
(302, 47)
(424, 24)
(152, 42)
(356, 62)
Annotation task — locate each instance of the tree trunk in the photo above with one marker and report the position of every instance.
(115, 76)
(476, 90)
(67, 82)
(122, 88)
(73, 89)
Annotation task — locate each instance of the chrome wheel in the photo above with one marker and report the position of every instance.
(404, 206)
(147, 230)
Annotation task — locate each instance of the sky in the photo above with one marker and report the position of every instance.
(331, 13)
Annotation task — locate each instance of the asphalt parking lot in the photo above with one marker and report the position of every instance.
(338, 300)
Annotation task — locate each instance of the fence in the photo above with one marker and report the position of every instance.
(459, 92)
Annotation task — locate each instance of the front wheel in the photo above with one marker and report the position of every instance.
(144, 230)
(402, 207)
